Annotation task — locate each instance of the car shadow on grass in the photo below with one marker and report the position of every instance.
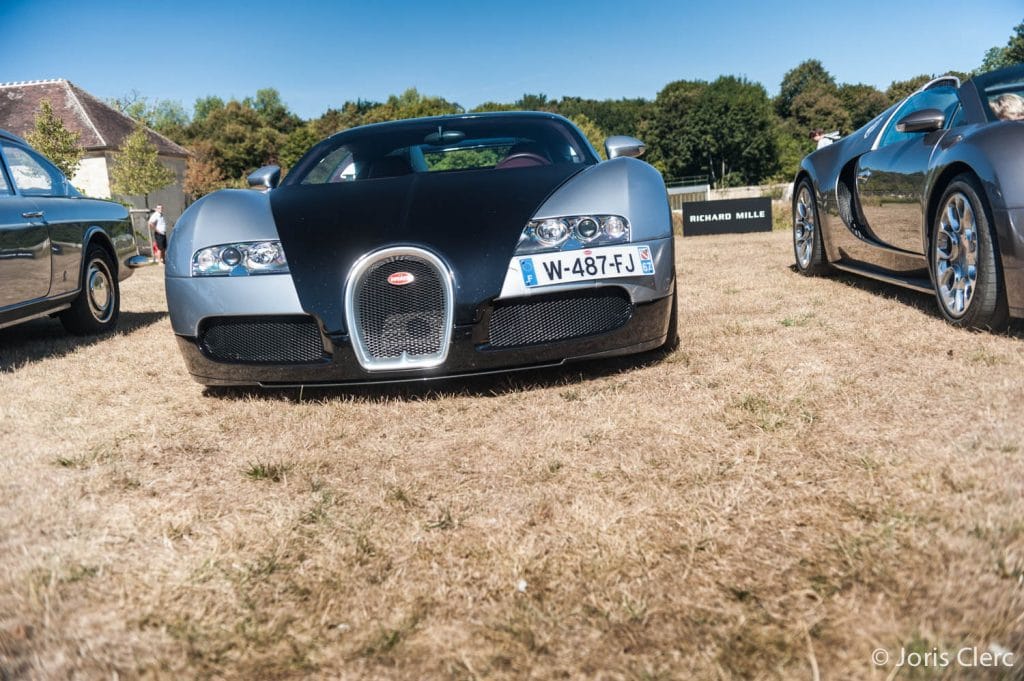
(46, 338)
(922, 302)
(488, 385)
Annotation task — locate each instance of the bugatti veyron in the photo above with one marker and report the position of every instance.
(928, 195)
(424, 248)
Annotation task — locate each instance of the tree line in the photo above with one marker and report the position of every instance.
(728, 130)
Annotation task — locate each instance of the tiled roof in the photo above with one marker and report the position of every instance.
(100, 126)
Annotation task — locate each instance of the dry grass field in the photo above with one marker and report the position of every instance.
(822, 469)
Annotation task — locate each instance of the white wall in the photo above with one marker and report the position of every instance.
(92, 178)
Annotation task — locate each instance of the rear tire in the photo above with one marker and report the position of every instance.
(807, 246)
(964, 257)
(98, 304)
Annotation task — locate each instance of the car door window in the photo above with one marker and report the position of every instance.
(32, 174)
(5, 188)
(943, 98)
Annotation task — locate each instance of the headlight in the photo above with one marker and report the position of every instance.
(573, 232)
(255, 257)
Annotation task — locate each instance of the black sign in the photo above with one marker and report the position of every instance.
(732, 216)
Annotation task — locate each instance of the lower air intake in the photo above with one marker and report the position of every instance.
(266, 340)
(558, 318)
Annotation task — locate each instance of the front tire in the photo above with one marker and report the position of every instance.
(807, 246)
(964, 259)
(98, 304)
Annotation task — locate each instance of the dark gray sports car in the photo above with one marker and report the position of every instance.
(928, 195)
(60, 253)
(423, 248)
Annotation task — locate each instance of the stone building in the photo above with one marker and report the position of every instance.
(101, 128)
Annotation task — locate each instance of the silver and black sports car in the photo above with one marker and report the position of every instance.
(61, 253)
(928, 195)
(424, 248)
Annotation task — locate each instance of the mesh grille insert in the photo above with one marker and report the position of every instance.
(273, 340)
(409, 319)
(546, 320)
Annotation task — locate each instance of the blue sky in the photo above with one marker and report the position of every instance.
(320, 54)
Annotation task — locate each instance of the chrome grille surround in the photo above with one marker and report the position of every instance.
(380, 343)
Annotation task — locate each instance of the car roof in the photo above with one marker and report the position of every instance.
(11, 136)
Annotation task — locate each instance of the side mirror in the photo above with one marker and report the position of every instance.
(623, 145)
(267, 176)
(925, 120)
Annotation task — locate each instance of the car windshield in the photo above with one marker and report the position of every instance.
(482, 143)
(1003, 94)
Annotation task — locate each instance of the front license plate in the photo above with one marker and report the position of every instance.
(591, 263)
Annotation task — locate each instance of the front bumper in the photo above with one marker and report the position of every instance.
(469, 354)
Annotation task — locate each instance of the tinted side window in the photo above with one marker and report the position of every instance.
(943, 98)
(32, 174)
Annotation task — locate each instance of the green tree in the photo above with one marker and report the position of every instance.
(165, 116)
(613, 116)
(272, 111)
(530, 102)
(1015, 47)
(995, 58)
(672, 147)
(296, 144)
(202, 174)
(820, 107)
(410, 104)
(136, 170)
(805, 76)
(205, 106)
(592, 132)
(862, 103)
(56, 142)
(240, 140)
(724, 129)
(899, 89)
(494, 106)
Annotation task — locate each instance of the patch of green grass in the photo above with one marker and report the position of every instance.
(397, 495)
(984, 357)
(275, 472)
(77, 573)
(319, 512)
(801, 320)
(443, 521)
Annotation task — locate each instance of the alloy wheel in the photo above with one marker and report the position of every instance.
(804, 228)
(956, 254)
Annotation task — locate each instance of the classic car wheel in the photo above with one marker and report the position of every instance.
(810, 257)
(98, 304)
(964, 259)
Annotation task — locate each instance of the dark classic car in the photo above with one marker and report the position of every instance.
(60, 253)
(928, 195)
(424, 248)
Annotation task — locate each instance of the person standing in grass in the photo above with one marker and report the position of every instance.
(158, 224)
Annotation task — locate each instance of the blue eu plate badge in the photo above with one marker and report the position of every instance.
(529, 274)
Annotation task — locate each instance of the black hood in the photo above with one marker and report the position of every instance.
(471, 219)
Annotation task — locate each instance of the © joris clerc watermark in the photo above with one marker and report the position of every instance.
(967, 657)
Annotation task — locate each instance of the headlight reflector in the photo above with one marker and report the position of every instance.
(552, 232)
(573, 232)
(241, 259)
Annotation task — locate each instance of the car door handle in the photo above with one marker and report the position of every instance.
(33, 214)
